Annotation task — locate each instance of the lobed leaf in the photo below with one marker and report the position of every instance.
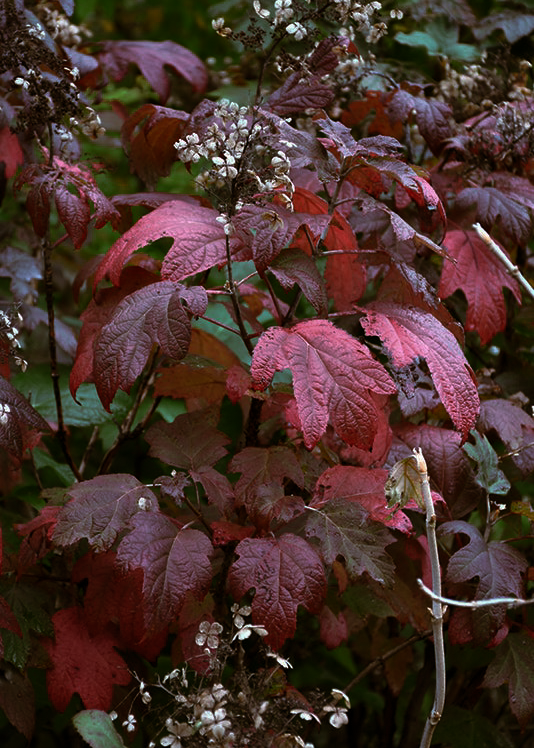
(285, 572)
(514, 664)
(409, 333)
(334, 377)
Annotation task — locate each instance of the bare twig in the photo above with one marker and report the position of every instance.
(52, 351)
(437, 608)
(512, 269)
(510, 602)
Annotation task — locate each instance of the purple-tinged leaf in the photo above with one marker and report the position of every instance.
(515, 25)
(20, 423)
(409, 333)
(190, 442)
(151, 58)
(514, 664)
(494, 207)
(100, 509)
(432, 116)
(293, 266)
(175, 561)
(285, 572)
(334, 377)
(514, 427)
(153, 315)
(298, 93)
(23, 270)
(264, 466)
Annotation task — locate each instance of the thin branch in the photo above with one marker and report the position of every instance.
(378, 661)
(52, 351)
(511, 269)
(235, 301)
(510, 602)
(437, 608)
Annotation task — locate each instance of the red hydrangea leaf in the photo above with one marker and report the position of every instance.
(498, 567)
(190, 442)
(17, 700)
(343, 528)
(480, 275)
(380, 123)
(36, 538)
(11, 152)
(174, 561)
(363, 486)
(97, 314)
(7, 619)
(334, 376)
(285, 572)
(151, 58)
(101, 508)
(514, 664)
(153, 314)
(293, 266)
(298, 93)
(38, 205)
(333, 628)
(83, 664)
(112, 596)
(448, 466)
(432, 116)
(199, 241)
(192, 614)
(238, 382)
(218, 488)
(206, 384)
(494, 207)
(225, 532)
(408, 333)
(74, 214)
(20, 424)
(344, 143)
(514, 427)
(346, 280)
(264, 466)
(148, 136)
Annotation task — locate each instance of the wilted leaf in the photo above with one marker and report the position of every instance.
(334, 377)
(404, 484)
(285, 572)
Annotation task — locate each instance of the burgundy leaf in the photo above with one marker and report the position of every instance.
(20, 423)
(83, 664)
(494, 207)
(218, 488)
(498, 567)
(260, 466)
(334, 628)
(514, 427)
(153, 314)
(99, 510)
(285, 572)
(151, 58)
(38, 205)
(325, 56)
(190, 442)
(199, 241)
(346, 280)
(363, 486)
(298, 93)
(96, 316)
(432, 116)
(514, 664)
(175, 561)
(343, 528)
(148, 136)
(481, 276)
(11, 154)
(334, 377)
(17, 700)
(293, 266)
(409, 333)
(449, 468)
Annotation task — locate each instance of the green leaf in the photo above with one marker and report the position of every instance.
(464, 728)
(44, 460)
(96, 728)
(439, 39)
(403, 484)
(488, 474)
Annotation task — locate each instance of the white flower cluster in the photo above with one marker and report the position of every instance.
(5, 410)
(244, 630)
(209, 711)
(208, 636)
(10, 331)
(60, 28)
